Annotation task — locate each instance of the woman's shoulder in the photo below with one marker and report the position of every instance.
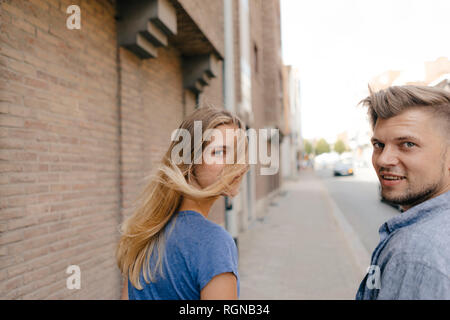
(197, 226)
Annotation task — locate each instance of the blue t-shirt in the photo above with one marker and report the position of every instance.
(196, 250)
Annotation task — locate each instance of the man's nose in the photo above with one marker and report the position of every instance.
(387, 158)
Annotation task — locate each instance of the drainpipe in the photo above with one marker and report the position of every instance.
(229, 102)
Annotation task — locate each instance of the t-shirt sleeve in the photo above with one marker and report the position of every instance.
(217, 255)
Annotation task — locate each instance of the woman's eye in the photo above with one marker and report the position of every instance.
(218, 153)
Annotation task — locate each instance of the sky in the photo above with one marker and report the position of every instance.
(339, 45)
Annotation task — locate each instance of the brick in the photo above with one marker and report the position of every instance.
(49, 177)
(43, 5)
(12, 213)
(7, 143)
(60, 167)
(37, 209)
(22, 222)
(11, 121)
(11, 190)
(33, 124)
(49, 218)
(3, 275)
(43, 24)
(10, 237)
(22, 178)
(17, 65)
(4, 132)
(9, 167)
(49, 158)
(20, 111)
(12, 10)
(35, 146)
(16, 270)
(51, 197)
(4, 179)
(60, 187)
(47, 38)
(10, 75)
(35, 231)
(13, 283)
(35, 251)
(34, 275)
(36, 189)
(11, 52)
(20, 201)
(35, 83)
(22, 134)
(23, 156)
(10, 97)
(25, 26)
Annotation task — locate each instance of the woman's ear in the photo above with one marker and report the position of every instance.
(193, 179)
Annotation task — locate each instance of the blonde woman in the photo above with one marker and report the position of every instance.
(168, 248)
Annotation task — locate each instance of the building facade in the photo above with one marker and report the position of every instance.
(86, 114)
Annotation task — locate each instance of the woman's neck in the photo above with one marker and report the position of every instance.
(202, 206)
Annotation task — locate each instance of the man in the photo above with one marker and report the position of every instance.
(411, 156)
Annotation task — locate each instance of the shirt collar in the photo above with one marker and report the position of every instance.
(424, 210)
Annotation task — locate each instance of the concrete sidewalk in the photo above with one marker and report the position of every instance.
(299, 250)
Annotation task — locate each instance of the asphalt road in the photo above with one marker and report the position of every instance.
(358, 198)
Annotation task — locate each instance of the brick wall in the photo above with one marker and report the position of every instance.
(59, 155)
(77, 137)
(272, 73)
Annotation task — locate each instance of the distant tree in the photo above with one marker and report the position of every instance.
(322, 146)
(309, 149)
(340, 147)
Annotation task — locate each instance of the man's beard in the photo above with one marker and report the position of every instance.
(412, 199)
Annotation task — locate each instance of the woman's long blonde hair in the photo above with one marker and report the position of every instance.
(142, 232)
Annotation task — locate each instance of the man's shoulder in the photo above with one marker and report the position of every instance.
(424, 242)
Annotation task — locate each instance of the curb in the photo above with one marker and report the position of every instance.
(360, 254)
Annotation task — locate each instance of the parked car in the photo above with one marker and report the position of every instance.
(343, 168)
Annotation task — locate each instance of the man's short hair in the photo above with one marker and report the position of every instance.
(392, 101)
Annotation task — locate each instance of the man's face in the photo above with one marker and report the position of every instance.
(411, 157)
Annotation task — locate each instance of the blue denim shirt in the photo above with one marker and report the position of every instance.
(412, 260)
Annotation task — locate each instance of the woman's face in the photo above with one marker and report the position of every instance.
(214, 159)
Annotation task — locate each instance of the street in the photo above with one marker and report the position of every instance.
(304, 248)
(357, 197)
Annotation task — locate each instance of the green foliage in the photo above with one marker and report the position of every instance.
(322, 146)
(340, 146)
(309, 149)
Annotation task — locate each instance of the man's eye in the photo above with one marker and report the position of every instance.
(218, 153)
(409, 144)
(378, 145)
